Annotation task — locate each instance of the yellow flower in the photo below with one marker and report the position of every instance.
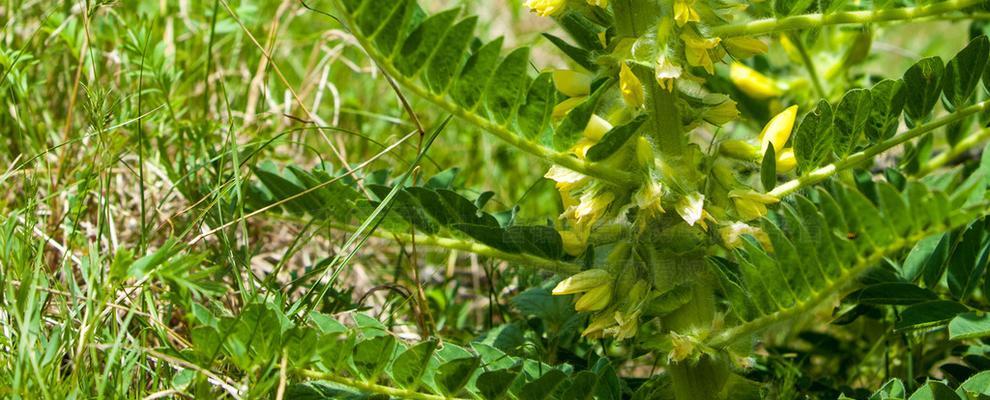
(667, 72)
(778, 130)
(598, 3)
(632, 88)
(690, 207)
(598, 325)
(546, 8)
(684, 12)
(595, 299)
(572, 83)
(628, 325)
(786, 161)
(567, 180)
(583, 282)
(696, 50)
(722, 113)
(591, 208)
(648, 197)
(751, 205)
(732, 235)
(753, 83)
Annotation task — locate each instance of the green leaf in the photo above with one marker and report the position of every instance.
(813, 138)
(615, 138)
(540, 240)
(493, 385)
(543, 387)
(963, 72)
(505, 89)
(976, 384)
(888, 97)
(768, 169)
(371, 356)
(933, 390)
(581, 386)
(923, 84)
(928, 314)
(453, 375)
(584, 32)
(893, 389)
(850, 120)
(417, 49)
(969, 326)
(581, 56)
(477, 71)
(408, 367)
(968, 261)
(535, 118)
(925, 258)
(895, 293)
(449, 56)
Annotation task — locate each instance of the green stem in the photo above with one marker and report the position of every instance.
(366, 387)
(771, 25)
(853, 160)
(956, 151)
(810, 66)
(605, 173)
(529, 260)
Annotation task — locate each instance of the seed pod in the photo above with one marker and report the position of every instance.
(778, 130)
(753, 83)
(583, 282)
(595, 299)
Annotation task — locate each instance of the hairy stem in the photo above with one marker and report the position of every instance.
(861, 157)
(771, 25)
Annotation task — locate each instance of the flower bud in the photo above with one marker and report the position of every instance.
(546, 8)
(644, 152)
(778, 130)
(632, 88)
(599, 323)
(597, 128)
(572, 83)
(786, 161)
(753, 83)
(751, 205)
(564, 107)
(739, 149)
(583, 282)
(574, 243)
(744, 47)
(595, 299)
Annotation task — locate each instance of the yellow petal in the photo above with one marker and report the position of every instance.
(583, 282)
(753, 83)
(597, 128)
(564, 107)
(546, 8)
(595, 299)
(778, 130)
(786, 161)
(572, 83)
(632, 88)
